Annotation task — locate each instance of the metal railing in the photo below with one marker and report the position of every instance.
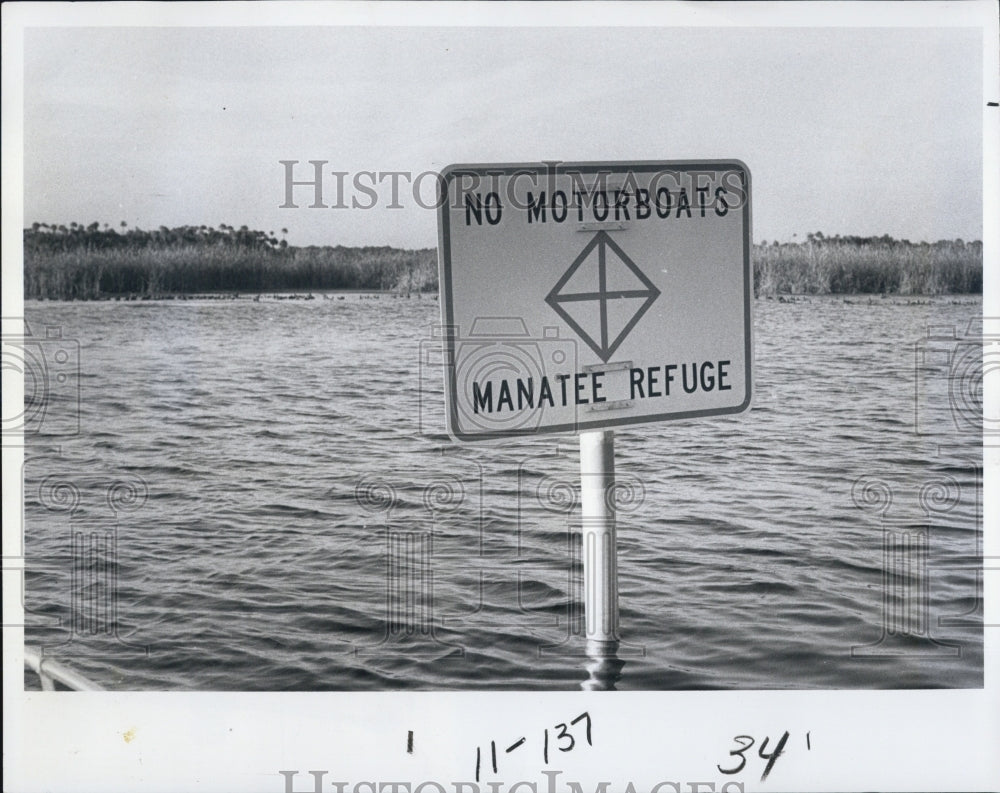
(50, 672)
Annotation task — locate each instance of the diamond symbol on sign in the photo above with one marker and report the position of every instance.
(602, 295)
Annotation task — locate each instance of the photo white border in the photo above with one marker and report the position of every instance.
(860, 740)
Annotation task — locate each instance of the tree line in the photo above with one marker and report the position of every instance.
(93, 262)
(822, 265)
(79, 262)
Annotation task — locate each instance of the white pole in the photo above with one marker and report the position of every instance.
(600, 553)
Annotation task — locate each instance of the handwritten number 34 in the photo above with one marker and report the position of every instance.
(745, 742)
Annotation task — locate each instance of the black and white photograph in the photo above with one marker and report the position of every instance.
(500, 397)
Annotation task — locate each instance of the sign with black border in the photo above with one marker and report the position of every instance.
(583, 296)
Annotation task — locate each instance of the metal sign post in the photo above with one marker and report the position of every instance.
(600, 553)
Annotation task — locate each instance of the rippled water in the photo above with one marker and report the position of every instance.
(257, 500)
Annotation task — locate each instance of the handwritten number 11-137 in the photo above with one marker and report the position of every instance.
(560, 739)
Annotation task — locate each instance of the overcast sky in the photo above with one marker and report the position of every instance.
(845, 130)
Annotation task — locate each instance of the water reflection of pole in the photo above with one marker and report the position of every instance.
(600, 557)
(604, 666)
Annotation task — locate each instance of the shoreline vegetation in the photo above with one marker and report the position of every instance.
(100, 263)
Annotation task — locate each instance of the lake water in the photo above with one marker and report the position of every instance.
(259, 498)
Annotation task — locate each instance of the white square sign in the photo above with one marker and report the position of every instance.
(582, 296)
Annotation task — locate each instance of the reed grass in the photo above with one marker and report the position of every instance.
(61, 266)
(873, 265)
(88, 263)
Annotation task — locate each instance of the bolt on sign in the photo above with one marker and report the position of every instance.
(584, 296)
